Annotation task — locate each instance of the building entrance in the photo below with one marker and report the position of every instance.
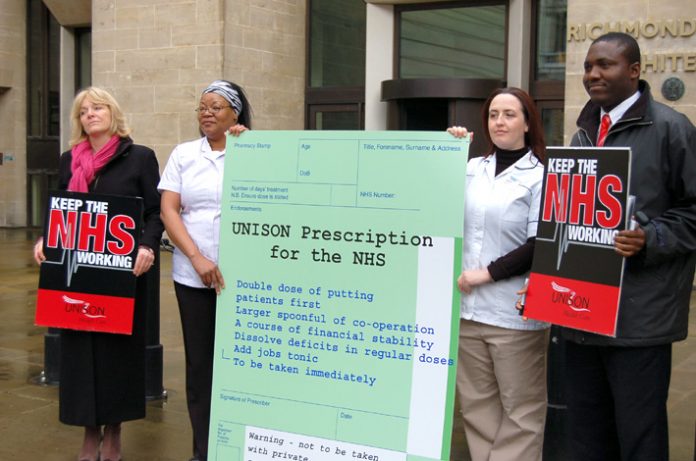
(43, 108)
(424, 104)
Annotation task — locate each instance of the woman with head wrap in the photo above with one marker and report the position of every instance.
(102, 375)
(191, 189)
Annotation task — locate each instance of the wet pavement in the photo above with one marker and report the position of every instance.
(29, 427)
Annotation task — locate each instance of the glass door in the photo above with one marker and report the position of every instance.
(43, 108)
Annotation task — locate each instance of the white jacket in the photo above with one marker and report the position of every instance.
(501, 214)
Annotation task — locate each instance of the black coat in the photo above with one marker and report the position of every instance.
(102, 375)
(657, 282)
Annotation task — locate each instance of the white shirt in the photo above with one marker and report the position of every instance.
(617, 112)
(194, 171)
(501, 214)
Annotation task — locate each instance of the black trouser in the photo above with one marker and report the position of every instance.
(197, 309)
(617, 402)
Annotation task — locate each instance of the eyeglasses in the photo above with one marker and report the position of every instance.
(213, 110)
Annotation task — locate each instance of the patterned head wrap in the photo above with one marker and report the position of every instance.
(225, 90)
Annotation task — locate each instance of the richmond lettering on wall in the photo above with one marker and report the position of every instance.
(661, 29)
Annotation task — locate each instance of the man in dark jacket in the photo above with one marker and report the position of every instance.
(617, 387)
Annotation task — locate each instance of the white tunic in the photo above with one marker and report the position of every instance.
(194, 171)
(501, 214)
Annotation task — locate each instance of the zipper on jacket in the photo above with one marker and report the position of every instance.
(587, 137)
(621, 127)
(629, 125)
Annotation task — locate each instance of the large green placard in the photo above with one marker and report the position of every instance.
(336, 334)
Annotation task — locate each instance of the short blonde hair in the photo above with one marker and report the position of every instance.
(97, 95)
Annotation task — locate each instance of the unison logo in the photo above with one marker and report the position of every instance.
(84, 308)
(568, 297)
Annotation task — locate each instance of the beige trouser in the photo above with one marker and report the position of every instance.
(501, 382)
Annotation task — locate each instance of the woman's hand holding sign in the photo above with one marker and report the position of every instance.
(39, 256)
(144, 260)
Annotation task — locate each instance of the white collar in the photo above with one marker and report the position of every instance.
(208, 151)
(617, 112)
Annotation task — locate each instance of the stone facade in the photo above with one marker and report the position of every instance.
(13, 188)
(264, 50)
(666, 33)
(156, 56)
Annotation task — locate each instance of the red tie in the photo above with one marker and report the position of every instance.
(603, 130)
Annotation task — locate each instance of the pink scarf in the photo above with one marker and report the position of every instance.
(86, 164)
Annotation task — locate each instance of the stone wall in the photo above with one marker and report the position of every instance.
(666, 33)
(265, 53)
(13, 115)
(156, 56)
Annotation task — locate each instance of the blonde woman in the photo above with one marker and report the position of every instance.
(102, 375)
